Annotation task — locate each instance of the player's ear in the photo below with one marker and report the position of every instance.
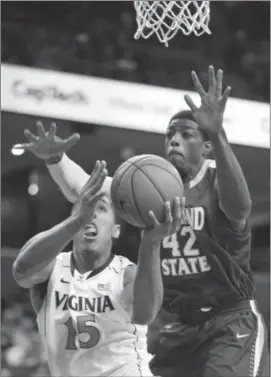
(207, 149)
(116, 231)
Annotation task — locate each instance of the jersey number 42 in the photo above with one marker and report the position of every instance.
(171, 242)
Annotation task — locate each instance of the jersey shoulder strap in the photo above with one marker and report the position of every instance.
(64, 258)
(119, 263)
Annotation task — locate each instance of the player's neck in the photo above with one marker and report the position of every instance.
(88, 261)
(191, 173)
(196, 170)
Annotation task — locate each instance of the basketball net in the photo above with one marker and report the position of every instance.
(166, 18)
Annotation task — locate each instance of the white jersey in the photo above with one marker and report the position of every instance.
(85, 327)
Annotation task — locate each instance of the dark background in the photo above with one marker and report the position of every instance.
(96, 39)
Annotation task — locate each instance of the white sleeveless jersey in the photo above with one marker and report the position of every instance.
(85, 326)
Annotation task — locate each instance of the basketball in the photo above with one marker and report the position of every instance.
(142, 184)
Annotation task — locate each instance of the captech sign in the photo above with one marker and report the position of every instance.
(47, 92)
(58, 95)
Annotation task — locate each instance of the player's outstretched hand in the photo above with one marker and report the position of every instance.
(171, 224)
(209, 115)
(91, 192)
(46, 145)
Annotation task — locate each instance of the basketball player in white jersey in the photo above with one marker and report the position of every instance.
(93, 307)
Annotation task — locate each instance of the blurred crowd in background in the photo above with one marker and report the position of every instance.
(96, 38)
(22, 353)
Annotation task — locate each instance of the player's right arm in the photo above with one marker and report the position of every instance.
(36, 259)
(69, 176)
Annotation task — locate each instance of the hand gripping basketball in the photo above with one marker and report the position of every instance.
(171, 224)
(91, 192)
(46, 145)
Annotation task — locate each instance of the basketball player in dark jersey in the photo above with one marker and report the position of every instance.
(209, 324)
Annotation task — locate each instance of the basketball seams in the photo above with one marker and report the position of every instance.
(134, 197)
(158, 166)
(129, 163)
(146, 161)
(161, 167)
(119, 180)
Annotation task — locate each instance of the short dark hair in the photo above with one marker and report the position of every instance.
(187, 114)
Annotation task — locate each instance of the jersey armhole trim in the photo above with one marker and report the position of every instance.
(47, 282)
(43, 299)
(202, 172)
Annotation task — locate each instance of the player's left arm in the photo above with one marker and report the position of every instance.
(144, 290)
(233, 193)
(143, 287)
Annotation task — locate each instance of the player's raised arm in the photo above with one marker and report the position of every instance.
(35, 261)
(144, 287)
(233, 191)
(69, 176)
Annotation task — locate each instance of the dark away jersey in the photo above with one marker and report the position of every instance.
(206, 263)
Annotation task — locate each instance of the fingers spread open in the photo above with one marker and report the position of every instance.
(190, 103)
(212, 80)
(52, 131)
(30, 137)
(225, 96)
(24, 146)
(70, 141)
(197, 84)
(40, 130)
(219, 79)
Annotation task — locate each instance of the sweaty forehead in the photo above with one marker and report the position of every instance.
(187, 123)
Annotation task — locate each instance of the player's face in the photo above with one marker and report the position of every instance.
(98, 234)
(184, 145)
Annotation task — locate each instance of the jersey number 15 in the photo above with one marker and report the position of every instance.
(84, 326)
